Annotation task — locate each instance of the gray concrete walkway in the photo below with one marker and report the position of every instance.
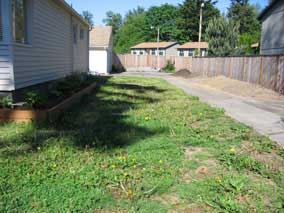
(263, 116)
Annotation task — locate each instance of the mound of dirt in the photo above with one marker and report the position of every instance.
(185, 73)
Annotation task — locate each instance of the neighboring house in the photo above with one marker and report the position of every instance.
(191, 49)
(272, 35)
(100, 50)
(40, 41)
(151, 48)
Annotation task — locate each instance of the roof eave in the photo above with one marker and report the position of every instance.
(264, 12)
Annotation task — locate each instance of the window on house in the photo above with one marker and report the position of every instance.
(82, 34)
(141, 52)
(181, 53)
(134, 52)
(1, 24)
(75, 34)
(19, 11)
(161, 53)
(153, 52)
(191, 52)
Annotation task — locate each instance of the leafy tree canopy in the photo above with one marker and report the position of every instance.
(188, 21)
(164, 17)
(245, 14)
(223, 37)
(130, 33)
(114, 20)
(88, 16)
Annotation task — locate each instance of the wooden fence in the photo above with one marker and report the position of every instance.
(267, 71)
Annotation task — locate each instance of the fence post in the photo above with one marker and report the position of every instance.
(244, 69)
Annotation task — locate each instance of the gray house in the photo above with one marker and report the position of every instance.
(151, 48)
(40, 41)
(272, 35)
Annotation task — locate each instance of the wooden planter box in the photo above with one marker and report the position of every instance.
(18, 115)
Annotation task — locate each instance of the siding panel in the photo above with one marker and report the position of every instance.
(50, 55)
(6, 78)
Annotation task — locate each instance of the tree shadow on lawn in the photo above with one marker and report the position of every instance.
(99, 122)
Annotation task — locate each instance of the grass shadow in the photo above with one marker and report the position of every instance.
(100, 121)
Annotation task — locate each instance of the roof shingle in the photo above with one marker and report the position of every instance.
(194, 45)
(153, 45)
(101, 36)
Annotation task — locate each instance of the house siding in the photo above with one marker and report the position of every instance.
(6, 68)
(6, 65)
(172, 51)
(272, 41)
(50, 53)
(81, 49)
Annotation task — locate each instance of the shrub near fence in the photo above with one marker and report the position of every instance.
(267, 71)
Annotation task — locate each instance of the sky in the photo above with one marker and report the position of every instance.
(100, 7)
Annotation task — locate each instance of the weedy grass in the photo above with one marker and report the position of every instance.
(125, 146)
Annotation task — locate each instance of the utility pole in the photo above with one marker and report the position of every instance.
(200, 27)
(158, 48)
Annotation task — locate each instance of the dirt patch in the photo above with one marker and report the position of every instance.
(116, 192)
(190, 151)
(239, 88)
(167, 199)
(272, 160)
(184, 73)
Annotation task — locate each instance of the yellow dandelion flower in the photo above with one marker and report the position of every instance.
(161, 162)
(113, 166)
(147, 118)
(200, 113)
(125, 174)
(232, 150)
(129, 192)
(218, 180)
(134, 166)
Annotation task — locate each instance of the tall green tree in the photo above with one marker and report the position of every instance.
(244, 13)
(113, 19)
(130, 33)
(223, 37)
(165, 17)
(188, 22)
(134, 12)
(88, 16)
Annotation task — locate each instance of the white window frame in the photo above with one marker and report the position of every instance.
(181, 53)
(161, 53)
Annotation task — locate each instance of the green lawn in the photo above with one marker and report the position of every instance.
(143, 145)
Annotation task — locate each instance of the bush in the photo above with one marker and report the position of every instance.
(6, 102)
(169, 68)
(35, 100)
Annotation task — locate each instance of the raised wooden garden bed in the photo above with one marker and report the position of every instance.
(21, 115)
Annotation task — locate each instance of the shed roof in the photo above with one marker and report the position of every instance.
(153, 45)
(101, 36)
(194, 45)
(267, 9)
(66, 6)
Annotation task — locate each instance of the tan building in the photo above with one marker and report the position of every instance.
(151, 48)
(191, 49)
